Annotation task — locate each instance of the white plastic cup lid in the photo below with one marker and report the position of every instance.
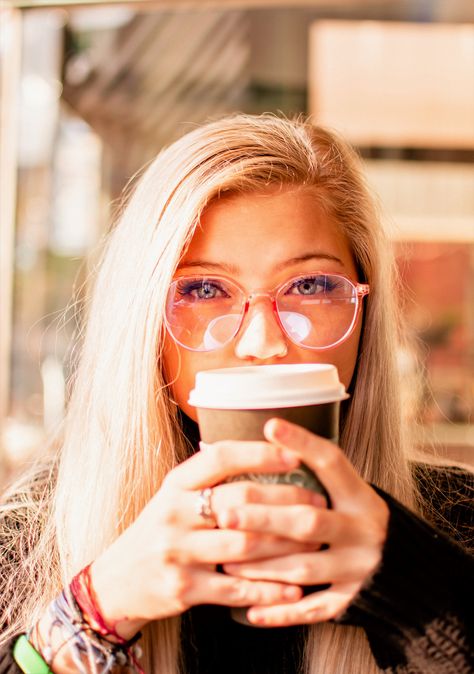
(267, 386)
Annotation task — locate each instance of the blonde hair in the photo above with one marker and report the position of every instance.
(121, 434)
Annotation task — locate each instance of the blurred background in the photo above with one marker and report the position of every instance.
(91, 90)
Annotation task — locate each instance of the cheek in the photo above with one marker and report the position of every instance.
(344, 357)
(346, 360)
(180, 367)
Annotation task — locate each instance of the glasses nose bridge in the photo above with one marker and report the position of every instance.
(255, 294)
(260, 294)
(264, 337)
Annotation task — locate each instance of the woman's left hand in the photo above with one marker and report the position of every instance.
(354, 529)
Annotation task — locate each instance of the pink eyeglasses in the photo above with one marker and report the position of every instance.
(316, 310)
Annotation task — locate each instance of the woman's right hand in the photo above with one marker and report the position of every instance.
(165, 562)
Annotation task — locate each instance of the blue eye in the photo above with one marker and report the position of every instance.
(312, 285)
(201, 289)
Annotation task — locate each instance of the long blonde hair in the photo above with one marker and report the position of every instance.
(121, 434)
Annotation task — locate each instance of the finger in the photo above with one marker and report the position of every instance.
(221, 546)
(225, 459)
(234, 494)
(314, 608)
(184, 509)
(310, 568)
(304, 523)
(218, 588)
(324, 457)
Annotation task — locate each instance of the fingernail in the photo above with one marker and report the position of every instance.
(255, 618)
(292, 592)
(275, 427)
(280, 429)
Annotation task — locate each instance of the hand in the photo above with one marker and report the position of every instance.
(355, 530)
(165, 562)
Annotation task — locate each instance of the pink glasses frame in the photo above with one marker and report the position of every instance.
(362, 289)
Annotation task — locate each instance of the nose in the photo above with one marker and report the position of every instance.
(260, 336)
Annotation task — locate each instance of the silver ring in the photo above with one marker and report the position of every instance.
(204, 508)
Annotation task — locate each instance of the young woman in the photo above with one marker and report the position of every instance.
(122, 538)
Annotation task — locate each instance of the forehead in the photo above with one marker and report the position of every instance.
(257, 233)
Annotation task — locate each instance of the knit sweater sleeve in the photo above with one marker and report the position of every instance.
(417, 608)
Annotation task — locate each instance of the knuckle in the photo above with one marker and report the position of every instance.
(248, 544)
(331, 461)
(166, 550)
(264, 519)
(180, 580)
(309, 525)
(303, 574)
(249, 492)
(168, 515)
(239, 591)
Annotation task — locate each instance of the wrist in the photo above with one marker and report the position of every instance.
(108, 602)
(66, 640)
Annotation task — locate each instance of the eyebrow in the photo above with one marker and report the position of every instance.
(309, 256)
(233, 269)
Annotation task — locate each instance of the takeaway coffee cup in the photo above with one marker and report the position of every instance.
(234, 404)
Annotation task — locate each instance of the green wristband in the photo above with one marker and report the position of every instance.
(27, 657)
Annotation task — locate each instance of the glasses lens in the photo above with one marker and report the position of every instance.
(318, 310)
(204, 313)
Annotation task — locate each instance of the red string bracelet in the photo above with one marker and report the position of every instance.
(83, 592)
